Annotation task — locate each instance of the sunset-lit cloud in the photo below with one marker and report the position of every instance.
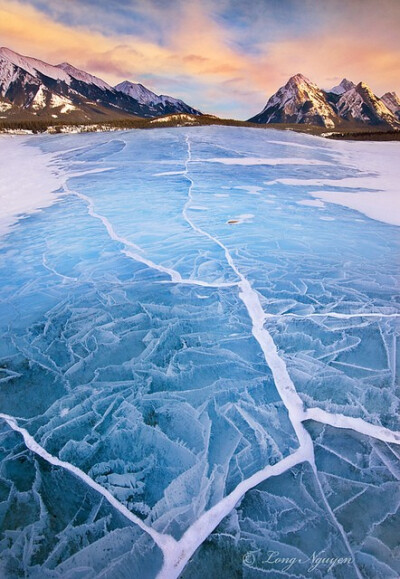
(225, 57)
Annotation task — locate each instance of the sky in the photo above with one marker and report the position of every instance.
(224, 57)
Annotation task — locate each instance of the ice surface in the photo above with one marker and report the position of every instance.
(343, 365)
(126, 380)
(168, 327)
(292, 525)
(53, 525)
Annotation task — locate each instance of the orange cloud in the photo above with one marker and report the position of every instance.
(203, 52)
(322, 57)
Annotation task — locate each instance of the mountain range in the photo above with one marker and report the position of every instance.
(33, 89)
(301, 101)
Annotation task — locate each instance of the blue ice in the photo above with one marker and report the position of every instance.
(129, 352)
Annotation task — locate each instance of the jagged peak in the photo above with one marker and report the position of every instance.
(145, 95)
(299, 78)
(33, 65)
(344, 86)
(131, 83)
(79, 74)
(364, 87)
(391, 94)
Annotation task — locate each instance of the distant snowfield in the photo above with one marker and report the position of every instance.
(382, 176)
(27, 181)
(380, 161)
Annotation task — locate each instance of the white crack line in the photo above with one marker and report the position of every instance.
(198, 532)
(349, 422)
(177, 553)
(251, 300)
(286, 390)
(332, 315)
(165, 542)
(132, 250)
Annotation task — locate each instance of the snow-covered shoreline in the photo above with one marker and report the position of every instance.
(380, 163)
(27, 180)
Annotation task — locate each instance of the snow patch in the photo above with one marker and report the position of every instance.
(59, 101)
(83, 76)
(39, 102)
(28, 181)
(166, 173)
(251, 189)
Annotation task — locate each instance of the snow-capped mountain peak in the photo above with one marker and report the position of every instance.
(299, 80)
(299, 101)
(360, 104)
(138, 92)
(342, 87)
(83, 76)
(392, 101)
(33, 65)
(161, 103)
(33, 88)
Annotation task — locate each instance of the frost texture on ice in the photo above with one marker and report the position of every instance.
(55, 526)
(168, 328)
(343, 365)
(122, 377)
(283, 526)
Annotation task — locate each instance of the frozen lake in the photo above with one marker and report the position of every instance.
(199, 315)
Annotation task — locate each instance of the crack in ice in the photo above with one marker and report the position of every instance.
(177, 553)
(196, 534)
(133, 249)
(164, 541)
(334, 519)
(251, 300)
(331, 315)
(349, 422)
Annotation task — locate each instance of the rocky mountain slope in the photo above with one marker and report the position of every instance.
(392, 102)
(158, 104)
(301, 101)
(31, 88)
(342, 87)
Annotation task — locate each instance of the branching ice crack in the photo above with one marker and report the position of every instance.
(177, 553)
(165, 542)
(352, 423)
(134, 252)
(199, 531)
(204, 526)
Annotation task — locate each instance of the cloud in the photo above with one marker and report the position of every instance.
(223, 57)
(195, 58)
